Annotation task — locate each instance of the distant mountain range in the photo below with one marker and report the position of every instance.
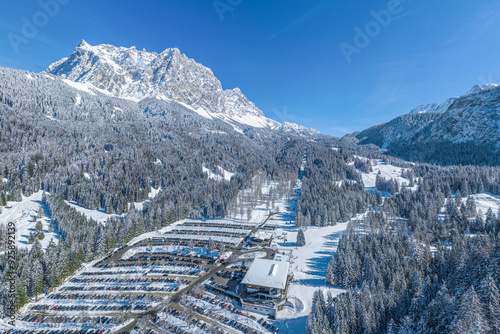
(464, 129)
(106, 83)
(170, 76)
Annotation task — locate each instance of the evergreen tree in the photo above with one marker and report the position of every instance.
(211, 246)
(470, 315)
(490, 295)
(406, 326)
(39, 226)
(301, 238)
(31, 238)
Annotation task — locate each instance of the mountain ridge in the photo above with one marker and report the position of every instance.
(465, 127)
(170, 75)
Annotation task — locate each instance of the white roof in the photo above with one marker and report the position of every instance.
(261, 235)
(213, 229)
(228, 240)
(267, 273)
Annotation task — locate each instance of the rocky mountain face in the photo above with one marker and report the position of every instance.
(433, 107)
(170, 76)
(464, 129)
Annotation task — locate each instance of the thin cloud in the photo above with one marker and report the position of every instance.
(479, 25)
(310, 14)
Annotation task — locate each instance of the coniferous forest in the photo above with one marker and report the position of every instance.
(411, 267)
(423, 259)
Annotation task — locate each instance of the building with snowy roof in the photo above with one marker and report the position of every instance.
(265, 285)
(261, 238)
(267, 277)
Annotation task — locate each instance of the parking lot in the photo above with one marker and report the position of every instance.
(145, 276)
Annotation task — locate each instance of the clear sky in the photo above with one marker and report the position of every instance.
(327, 64)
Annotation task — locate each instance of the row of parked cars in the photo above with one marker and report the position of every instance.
(56, 331)
(229, 306)
(104, 297)
(110, 273)
(127, 280)
(195, 259)
(201, 326)
(232, 275)
(65, 319)
(222, 319)
(157, 257)
(87, 307)
(164, 289)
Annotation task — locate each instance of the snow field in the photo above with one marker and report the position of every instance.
(22, 214)
(388, 172)
(485, 201)
(139, 206)
(98, 215)
(101, 217)
(251, 256)
(216, 174)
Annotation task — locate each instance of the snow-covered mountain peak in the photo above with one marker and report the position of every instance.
(482, 87)
(441, 108)
(129, 73)
(83, 44)
(169, 75)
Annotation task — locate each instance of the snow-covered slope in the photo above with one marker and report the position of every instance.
(474, 117)
(22, 213)
(402, 128)
(479, 88)
(433, 107)
(170, 75)
(219, 174)
(467, 126)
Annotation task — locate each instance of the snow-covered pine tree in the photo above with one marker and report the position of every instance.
(470, 317)
(301, 238)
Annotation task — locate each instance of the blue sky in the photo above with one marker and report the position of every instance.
(286, 56)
